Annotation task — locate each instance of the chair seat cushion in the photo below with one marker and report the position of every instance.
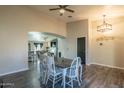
(59, 70)
(68, 74)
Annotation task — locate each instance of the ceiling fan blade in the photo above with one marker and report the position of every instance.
(69, 10)
(65, 6)
(61, 6)
(54, 9)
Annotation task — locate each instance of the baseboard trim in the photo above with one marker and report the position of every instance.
(20, 70)
(88, 64)
(107, 66)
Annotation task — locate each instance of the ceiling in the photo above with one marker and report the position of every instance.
(83, 11)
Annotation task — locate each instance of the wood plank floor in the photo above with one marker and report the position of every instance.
(94, 76)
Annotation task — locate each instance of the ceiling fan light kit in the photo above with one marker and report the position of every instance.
(62, 9)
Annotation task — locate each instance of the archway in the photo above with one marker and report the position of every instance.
(45, 42)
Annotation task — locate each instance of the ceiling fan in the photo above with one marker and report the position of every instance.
(62, 9)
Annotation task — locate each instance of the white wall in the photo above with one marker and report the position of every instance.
(74, 30)
(111, 53)
(15, 23)
(62, 46)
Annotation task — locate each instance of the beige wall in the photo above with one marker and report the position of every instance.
(112, 51)
(15, 22)
(74, 30)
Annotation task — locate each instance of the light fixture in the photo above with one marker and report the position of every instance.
(103, 38)
(105, 26)
(62, 11)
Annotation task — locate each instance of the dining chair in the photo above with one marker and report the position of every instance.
(43, 68)
(80, 68)
(54, 74)
(72, 73)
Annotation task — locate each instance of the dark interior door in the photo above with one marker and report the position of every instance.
(81, 49)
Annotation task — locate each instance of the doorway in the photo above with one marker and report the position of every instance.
(54, 44)
(81, 42)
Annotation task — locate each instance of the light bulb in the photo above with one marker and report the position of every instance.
(62, 11)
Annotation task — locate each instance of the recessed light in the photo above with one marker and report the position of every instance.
(70, 16)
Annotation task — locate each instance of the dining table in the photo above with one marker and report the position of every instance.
(64, 64)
